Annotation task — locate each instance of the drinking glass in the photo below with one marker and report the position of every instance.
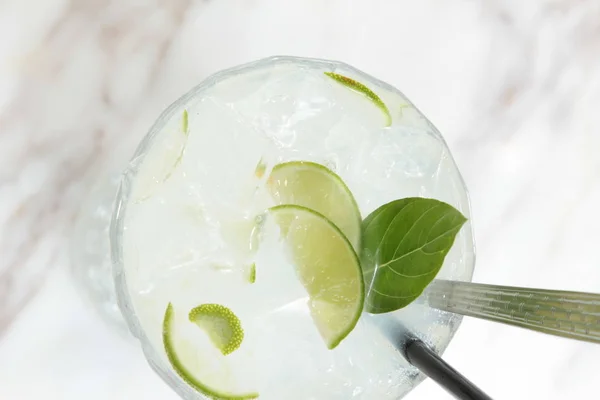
(92, 261)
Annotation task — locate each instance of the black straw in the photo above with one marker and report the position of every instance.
(427, 361)
(416, 352)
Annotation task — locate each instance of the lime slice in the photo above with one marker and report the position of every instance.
(359, 87)
(153, 174)
(252, 273)
(197, 364)
(327, 267)
(316, 187)
(221, 324)
(260, 169)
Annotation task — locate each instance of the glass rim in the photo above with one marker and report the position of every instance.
(124, 299)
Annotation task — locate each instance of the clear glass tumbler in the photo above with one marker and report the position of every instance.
(97, 251)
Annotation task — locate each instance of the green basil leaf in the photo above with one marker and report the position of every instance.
(404, 244)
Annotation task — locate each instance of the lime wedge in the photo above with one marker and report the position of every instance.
(327, 267)
(316, 187)
(196, 364)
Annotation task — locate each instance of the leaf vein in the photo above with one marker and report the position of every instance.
(390, 226)
(379, 213)
(391, 296)
(418, 248)
(412, 227)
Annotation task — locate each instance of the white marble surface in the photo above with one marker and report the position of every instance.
(513, 85)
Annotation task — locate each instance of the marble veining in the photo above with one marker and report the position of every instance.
(514, 87)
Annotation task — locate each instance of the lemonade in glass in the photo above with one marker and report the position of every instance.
(238, 236)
